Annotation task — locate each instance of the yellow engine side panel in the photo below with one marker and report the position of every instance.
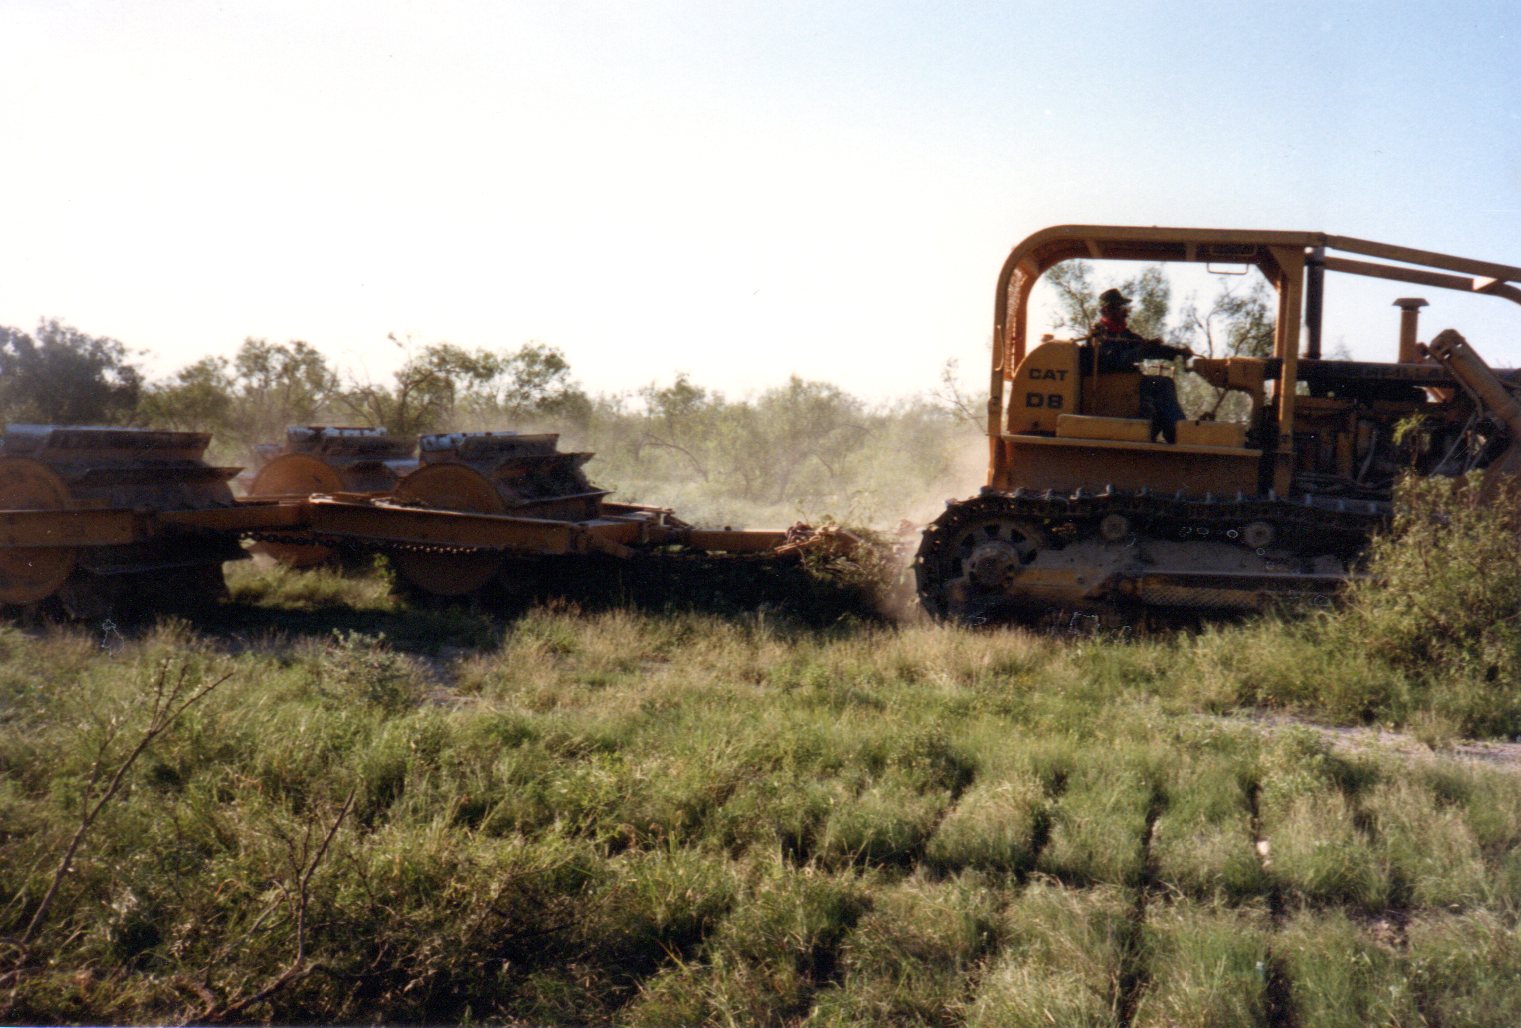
(1045, 387)
(1125, 430)
(1211, 433)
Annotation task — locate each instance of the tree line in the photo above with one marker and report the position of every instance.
(798, 449)
(60, 375)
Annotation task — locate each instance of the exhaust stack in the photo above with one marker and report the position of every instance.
(1410, 317)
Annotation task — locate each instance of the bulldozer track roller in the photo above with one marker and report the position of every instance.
(1258, 534)
(32, 574)
(1115, 528)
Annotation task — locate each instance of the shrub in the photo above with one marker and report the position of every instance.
(1429, 635)
(1442, 602)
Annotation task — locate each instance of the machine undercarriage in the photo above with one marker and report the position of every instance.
(1024, 556)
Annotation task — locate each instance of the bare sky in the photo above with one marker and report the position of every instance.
(737, 190)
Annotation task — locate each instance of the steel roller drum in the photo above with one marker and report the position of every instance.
(29, 575)
(295, 474)
(455, 487)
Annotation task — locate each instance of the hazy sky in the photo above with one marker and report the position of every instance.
(736, 190)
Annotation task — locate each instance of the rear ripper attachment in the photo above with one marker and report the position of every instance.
(96, 565)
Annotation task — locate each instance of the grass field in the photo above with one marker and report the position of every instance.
(324, 806)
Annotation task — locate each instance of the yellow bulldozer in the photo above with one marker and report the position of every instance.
(1086, 510)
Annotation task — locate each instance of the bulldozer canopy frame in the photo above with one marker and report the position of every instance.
(1282, 257)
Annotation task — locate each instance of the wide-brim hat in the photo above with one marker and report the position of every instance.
(1113, 298)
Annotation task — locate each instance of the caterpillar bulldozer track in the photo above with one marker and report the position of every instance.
(1086, 511)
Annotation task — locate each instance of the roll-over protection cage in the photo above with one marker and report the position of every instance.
(1294, 263)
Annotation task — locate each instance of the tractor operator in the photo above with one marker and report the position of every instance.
(1117, 348)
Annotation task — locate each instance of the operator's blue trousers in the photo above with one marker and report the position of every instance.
(1159, 402)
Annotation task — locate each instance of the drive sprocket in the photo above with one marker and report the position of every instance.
(970, 557)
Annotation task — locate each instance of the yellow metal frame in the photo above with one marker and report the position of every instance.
(1282, 258)
(380, 522)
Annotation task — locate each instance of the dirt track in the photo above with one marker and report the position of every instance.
(1374, 741)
